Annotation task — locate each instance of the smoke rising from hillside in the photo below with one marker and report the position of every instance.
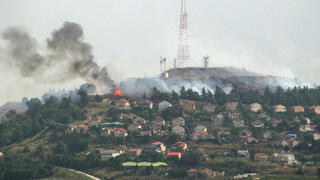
(65, 57)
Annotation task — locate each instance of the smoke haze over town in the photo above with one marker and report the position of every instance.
(128, 37)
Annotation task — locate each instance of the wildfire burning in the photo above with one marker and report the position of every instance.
(117, 92)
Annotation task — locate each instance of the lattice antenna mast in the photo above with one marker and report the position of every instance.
(183, 50)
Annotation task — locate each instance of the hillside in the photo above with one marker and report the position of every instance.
(167, 136)
(197, 78)
(236, 76)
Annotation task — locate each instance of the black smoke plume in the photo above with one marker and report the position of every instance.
(65, 57)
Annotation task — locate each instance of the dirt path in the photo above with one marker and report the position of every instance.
(88, 175)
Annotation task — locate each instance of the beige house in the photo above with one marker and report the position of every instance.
(146, 104)
(286, 158)
(315, 109)
(297, 109)
(279, 108)
(188, 105)
(255, 107)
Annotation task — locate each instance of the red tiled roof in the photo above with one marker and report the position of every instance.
(84, 127)
(157, 143)
(261, 154)
(100, 149)
(122, 130)
(174, 154)
(192, 170)
(133, 150)
(207, 170)
(235, 113)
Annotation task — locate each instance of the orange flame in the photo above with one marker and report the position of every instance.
(117, 92)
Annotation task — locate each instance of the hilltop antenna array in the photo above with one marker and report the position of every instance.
(183, 50)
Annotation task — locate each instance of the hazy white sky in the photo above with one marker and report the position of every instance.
(279, 37)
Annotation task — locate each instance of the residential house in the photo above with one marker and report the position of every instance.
(156, 125)
(156, 147)
(267, 134)
(123, 104)
(160, 133)
(120, 132)
(209, 107)
(107, 154)
(139, 120)
(207, 172)
(315, 109)
(307, 127)
(286, 158)
(279, 108)
(160, 120)
(200, 129)
(238, 123)
(179, 121)
(231, 105)
(217, 120)
(106, 132)
(192, 173)
(289, 142)
(174, 154)
(134, 127)
(1, 154)
(201, 136)
(179, 147)
(257, 124)
(298, 109)
(260, 156)
(121, 148)
(316, 136)
(134, 152)
(147, 104)
(145, 133)
(188, 105)
(251, 140)
(244, 153)
(82, 129)
(127, 116)
(255, 107)
(179, 131)
(164, 105)
(234, 116)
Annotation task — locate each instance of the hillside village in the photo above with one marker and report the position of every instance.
(239, 135)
